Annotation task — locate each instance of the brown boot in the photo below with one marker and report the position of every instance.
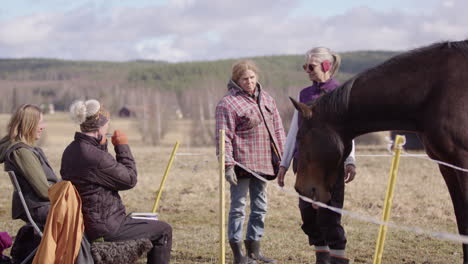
(322, 257)
(253, 251)
(338, 260)
(239, 258)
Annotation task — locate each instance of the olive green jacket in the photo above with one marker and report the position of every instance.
(29, 164)
(32, 170)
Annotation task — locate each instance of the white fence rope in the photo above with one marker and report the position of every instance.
(190, 154)
(439, 235)
(423, 156)
(420, 156)
(436, 161)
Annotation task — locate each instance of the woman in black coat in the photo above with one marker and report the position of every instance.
(98, 177)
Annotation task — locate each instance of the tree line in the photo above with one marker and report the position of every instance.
(157, 92)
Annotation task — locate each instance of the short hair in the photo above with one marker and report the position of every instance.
(23, 124)
(240, 67)
(322, 54)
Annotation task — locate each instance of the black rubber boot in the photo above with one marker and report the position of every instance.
(322, 257)
(338, 260)
(159, 255)
(253, 251)
(239, 258)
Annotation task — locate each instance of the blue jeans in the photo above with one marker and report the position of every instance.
(258, 209)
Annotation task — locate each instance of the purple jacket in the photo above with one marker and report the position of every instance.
(5, 242)
(311, 93)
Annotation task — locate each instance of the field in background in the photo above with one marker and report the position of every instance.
(190, 201)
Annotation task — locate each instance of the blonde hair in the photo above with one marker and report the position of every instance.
(23, 124)
(241, 67)
(321, 54)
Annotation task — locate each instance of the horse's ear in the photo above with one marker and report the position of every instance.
(304, 109)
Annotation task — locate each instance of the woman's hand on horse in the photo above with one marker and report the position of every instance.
(281, 172)
(350, 172)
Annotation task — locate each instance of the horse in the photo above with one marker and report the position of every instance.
(424, 90)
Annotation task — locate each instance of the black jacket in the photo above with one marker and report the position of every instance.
(98, 177)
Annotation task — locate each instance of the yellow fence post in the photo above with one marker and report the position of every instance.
(399, 141)
(222, 200)
(161, 186)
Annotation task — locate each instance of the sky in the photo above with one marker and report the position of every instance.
(198, 30)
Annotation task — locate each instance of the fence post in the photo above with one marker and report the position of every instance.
(161, 186)
(399, 142)
(222, 200)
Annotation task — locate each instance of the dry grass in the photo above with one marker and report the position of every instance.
(190, 203)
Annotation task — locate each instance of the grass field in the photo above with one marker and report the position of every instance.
(190, 202)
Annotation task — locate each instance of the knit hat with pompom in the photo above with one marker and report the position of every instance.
(89, 114)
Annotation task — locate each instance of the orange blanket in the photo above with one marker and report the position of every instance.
(64, 227)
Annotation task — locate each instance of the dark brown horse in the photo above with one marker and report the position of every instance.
(424, 91)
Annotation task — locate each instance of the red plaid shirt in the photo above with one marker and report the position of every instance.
(247, 137)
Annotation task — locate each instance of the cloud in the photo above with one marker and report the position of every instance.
(185, 30)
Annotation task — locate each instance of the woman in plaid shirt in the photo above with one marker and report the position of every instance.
(255, 139)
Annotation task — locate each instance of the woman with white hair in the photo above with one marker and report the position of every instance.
(322, 226)
(98, 177)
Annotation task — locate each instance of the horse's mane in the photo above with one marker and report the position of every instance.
(335, 103)
(459, 45)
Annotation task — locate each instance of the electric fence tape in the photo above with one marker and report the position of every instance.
(439, 235)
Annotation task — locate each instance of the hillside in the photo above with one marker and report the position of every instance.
(156, 92)
(168, 75)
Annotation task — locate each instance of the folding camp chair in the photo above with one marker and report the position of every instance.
(17, 187)
(98, 250)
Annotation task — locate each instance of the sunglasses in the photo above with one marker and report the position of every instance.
(309, 67)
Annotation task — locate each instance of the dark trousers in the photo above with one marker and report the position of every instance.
(27, 239)
(38, 214)
(159, 232)
(322, 226)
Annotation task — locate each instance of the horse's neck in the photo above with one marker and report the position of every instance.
(376, 105)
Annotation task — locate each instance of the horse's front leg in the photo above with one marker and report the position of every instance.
(457, 183)
(463, 209)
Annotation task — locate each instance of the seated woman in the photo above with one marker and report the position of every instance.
(19, 154)
(98, 177)
(33, 171)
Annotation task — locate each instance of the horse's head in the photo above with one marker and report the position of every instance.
(320, 155)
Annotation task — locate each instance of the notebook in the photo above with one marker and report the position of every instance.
(144, 216)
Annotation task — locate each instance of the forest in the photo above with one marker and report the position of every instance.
(156, 92)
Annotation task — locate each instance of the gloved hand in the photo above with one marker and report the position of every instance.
(119, 138)
(230, 175)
